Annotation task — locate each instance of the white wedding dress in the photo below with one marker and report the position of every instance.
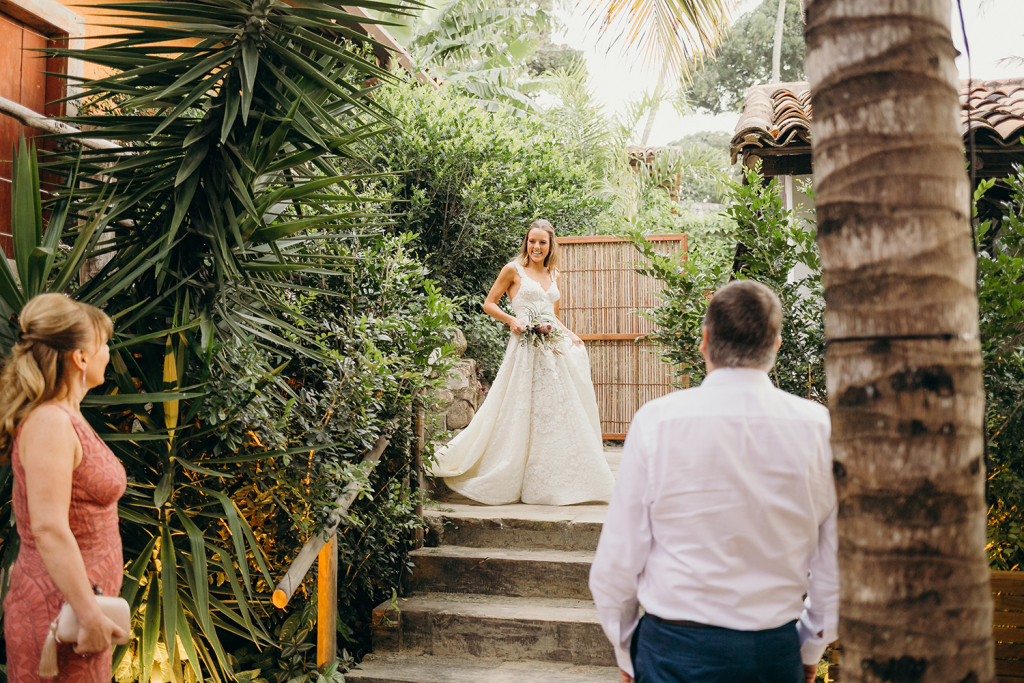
(537, 436)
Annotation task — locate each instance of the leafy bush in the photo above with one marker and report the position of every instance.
(471, 182)
(468, 183)
(1001, 302)
(775, 248)
(252, 362)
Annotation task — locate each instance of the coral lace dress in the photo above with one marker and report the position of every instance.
(33, 600)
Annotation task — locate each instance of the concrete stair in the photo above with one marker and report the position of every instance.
(501, 597)
(497, 627)
(512, 572)
(401, 669)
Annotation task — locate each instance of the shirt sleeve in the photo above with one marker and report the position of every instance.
(623, 549)
(818, 625)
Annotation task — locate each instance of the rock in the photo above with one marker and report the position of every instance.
(455, 404)
(456, 337)
(459, 414)
(464, 384)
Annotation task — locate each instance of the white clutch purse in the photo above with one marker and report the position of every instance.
(64, 629)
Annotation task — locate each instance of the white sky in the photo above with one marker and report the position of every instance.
(995, 29)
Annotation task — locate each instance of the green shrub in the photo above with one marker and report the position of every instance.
(775, 248)
(468, 183)
(1001, 303)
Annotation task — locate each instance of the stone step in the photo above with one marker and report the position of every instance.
(511, 572)
(427, 669)
(576, 527)
(493, 627)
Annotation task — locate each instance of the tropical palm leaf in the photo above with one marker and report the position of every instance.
(482, 46)
(666, 32)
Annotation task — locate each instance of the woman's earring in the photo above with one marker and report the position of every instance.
(84, 388)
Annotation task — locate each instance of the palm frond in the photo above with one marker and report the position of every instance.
(667, 33)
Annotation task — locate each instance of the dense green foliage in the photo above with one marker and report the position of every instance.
(1001, 301)
(745, 59)
(471, 182)
(490, 50)
(775, 248)
(698, 187)
(261, 345)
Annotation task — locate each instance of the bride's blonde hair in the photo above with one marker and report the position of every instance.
(52, 327)
(551, 261)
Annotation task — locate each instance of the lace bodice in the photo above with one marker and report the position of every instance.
(532, 295)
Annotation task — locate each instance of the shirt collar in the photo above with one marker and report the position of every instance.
(722, 377)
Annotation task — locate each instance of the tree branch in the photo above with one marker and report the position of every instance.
(48, 125)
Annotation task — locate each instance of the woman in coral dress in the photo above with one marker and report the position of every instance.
(66, 487)
(537, 437)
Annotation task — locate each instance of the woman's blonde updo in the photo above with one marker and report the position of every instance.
(52, 327)
(551, 262)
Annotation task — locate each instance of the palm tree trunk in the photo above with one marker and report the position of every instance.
(780, 26)
(903, 362)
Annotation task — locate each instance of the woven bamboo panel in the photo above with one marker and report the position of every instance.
(601, 291)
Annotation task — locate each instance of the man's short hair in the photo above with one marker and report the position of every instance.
(743, 320)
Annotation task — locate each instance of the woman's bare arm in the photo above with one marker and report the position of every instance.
(48, 449)
(506, 278)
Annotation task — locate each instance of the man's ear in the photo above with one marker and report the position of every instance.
(778, 342)
(703, 348)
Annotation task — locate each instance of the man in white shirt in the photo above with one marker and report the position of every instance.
(723, 519)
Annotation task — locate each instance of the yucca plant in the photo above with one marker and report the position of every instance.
(233, 118)
(47, 254)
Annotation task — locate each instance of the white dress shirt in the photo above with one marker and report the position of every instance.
(724, 514)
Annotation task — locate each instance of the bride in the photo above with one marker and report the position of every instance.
(537, 437)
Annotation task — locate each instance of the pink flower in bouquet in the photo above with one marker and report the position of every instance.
(544, 328)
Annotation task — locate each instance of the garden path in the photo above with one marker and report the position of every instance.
(499, 596)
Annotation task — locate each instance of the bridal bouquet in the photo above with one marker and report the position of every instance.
(541, 331)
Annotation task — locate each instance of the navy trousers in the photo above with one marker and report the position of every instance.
(671, 653)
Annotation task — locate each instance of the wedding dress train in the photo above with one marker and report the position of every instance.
(537, 436)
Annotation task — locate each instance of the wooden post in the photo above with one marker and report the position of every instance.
(304, 560)
(418, 438)
(327, 604)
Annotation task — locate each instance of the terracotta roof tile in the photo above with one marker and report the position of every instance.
(779, 115)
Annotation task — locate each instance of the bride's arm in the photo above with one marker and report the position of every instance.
(505, 280)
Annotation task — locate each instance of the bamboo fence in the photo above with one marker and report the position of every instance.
(601, 292)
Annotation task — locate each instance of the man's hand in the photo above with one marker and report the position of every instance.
(626, 678)
(810, 671)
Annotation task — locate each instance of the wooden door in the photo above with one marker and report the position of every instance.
(601, 292)
(23, 80)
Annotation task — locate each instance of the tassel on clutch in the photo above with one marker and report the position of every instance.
(64, 629)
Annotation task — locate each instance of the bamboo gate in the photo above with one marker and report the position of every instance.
(601, 292)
